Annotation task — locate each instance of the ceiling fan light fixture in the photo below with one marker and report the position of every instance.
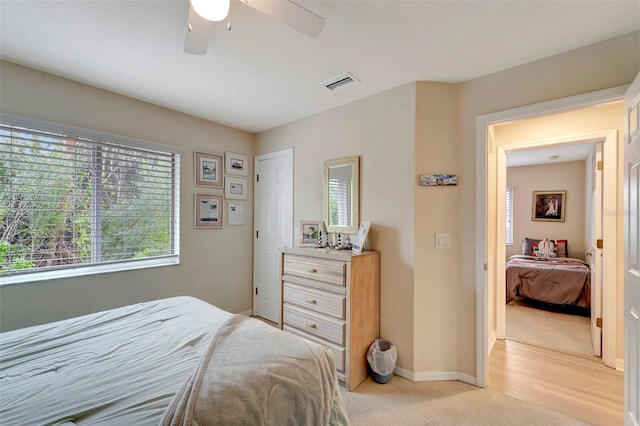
(211, 10)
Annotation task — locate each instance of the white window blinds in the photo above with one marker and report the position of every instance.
(509, 216)
(70, 201)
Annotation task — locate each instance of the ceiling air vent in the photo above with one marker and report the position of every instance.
(340, 81)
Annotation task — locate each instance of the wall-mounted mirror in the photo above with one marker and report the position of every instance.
(341, 203)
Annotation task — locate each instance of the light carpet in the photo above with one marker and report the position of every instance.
(548, 327)
(402, 402)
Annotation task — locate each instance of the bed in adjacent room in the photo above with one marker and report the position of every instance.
(171, 361)
(557, 280)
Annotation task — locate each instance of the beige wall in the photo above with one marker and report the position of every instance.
(436, 271)
(568, 177)
(216, 265)
(381, 130)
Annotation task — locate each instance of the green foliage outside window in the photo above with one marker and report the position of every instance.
(54, 191)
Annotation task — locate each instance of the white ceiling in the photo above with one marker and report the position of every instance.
(263, 74)
(547, 155)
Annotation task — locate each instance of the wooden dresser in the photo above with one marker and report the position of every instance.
(332, 297)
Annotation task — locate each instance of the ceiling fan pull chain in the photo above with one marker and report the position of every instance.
(229, 20)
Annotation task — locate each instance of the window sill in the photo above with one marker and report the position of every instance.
(29, 277)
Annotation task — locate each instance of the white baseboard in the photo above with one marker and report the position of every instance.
(435, 376)
(467, 379)
(619, 364)
(248, 313)
(404, 373)
(492, 341)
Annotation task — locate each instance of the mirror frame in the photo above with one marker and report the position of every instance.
(354, 162)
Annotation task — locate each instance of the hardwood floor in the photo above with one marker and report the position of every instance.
(582, 388)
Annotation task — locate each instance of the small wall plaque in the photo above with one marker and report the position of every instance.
(438, 180)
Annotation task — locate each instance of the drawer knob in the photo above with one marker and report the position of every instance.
(314, 270)
(310, 324)
(312, 301)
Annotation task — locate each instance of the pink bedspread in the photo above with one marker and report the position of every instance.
(560, 281)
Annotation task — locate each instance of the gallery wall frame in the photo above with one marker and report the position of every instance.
(549, 206)
(235, 214)
(208, 169)
(235, 164)
(235, 189)
(208, 211)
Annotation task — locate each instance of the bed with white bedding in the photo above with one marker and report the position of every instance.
(171, 361)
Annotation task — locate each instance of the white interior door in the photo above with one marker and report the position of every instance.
(632, 255)
(274, 228)
(596, 258)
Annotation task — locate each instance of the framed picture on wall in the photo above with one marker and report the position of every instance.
(549, 206)
(235, 213)
(438, 180)
(208, 169)
(208, 211)
(235, 189)
(236, 164)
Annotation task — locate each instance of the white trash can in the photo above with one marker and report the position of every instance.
(382, 356)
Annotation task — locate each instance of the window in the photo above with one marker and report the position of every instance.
(509, 216)
(75, 202)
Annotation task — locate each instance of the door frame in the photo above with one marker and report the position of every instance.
(631, 290)
(483, 255)
(608, 138)
(288, 153)
(596, 256)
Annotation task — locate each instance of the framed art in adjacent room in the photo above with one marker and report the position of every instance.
(549, 206)
(208, 169)
(235, 189)
(310, 232)
(236, 164)
(208, 211)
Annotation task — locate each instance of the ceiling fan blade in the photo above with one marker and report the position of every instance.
(291, 14)
(198, 32)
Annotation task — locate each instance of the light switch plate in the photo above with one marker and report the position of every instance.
(443, 241)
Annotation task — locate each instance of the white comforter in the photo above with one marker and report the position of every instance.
(127, 365)
(119, 367)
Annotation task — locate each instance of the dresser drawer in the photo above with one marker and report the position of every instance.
(314, 324)
(316, 300)
(332, 271)
(337, 351)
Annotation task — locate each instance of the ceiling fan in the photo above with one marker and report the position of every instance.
(202, 14)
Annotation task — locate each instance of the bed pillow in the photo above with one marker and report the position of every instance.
(562, 248)
(527, 246)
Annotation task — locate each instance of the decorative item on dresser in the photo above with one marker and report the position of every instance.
(332, 297)
(310, 231)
